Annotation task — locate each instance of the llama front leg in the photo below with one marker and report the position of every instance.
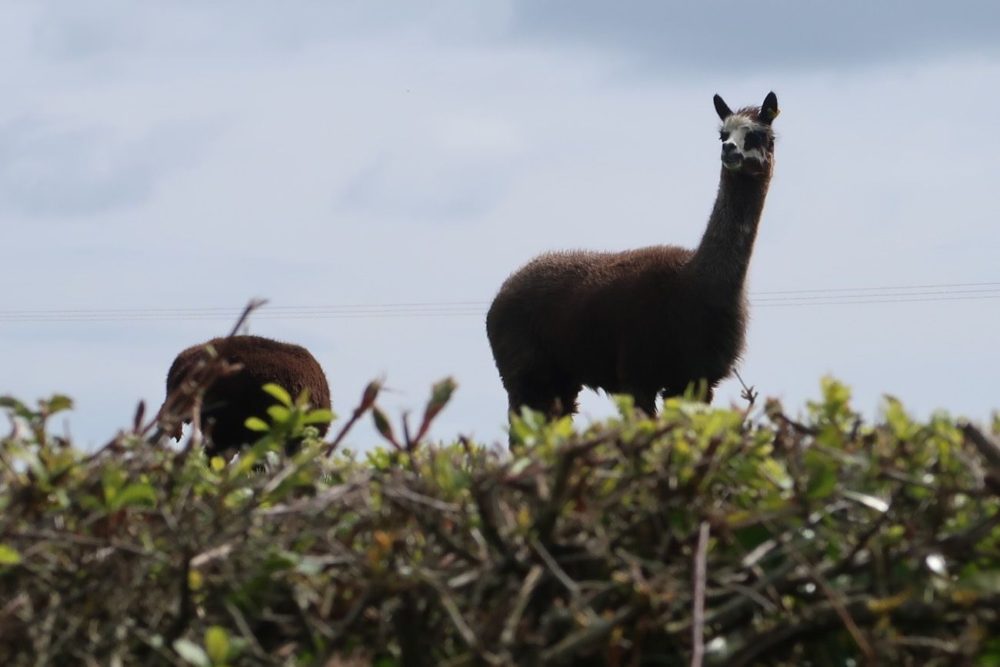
(645, 401)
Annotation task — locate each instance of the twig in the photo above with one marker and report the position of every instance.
(558, 572)
(403, 493)
(820, 618)
(241, 624)
(748, 394)
(430, 522)
(82, 540)
(367, 401)
(547, 517)
(484, 495)
(527, 588)
(837, 604)
(251, 306)
(987, 447)
(698, 622)
(461, 625)
(206, 557)
(579, 641)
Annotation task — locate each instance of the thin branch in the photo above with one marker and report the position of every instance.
(251, 306)
(557, 571)
(580, 641)
(748, 394)
(987, 446)
(837, 604)
(458, 620)
(520, 604)
(763, 647)
(698, 597)
(367, 401)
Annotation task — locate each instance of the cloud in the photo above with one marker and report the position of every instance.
(51, 170)
(253, 29)
(675, 38)
(454, 167)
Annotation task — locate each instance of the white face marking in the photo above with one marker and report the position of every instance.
(738, 127)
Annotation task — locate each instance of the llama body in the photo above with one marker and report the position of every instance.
(645, 321)
(231, 399)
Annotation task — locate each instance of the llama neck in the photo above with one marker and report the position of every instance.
(723, 256)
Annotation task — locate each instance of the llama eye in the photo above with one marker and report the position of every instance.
(753, 140)
(723, 135)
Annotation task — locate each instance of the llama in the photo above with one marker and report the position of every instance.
(230, 399)
(647, 321)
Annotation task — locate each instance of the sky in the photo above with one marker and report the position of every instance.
(376, 169)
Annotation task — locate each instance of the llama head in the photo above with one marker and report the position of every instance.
(746, 135)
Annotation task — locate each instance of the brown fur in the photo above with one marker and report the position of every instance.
(230, 400)
(640, 322)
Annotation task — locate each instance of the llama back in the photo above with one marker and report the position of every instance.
(232, 398)
(571, 313)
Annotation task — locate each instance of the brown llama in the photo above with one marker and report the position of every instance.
(647, 321)
(229, 400)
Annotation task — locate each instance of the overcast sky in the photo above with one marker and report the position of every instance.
(192, 155)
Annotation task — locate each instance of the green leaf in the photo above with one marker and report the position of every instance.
(192, 653)
(279, 393)
(822, 476)
(278, 414)
(382, 424)
(900, 423)
(257, 424)
(139, 493)
(9, 555)
(836, 394)
(217, 644)
(625, 404)
(302, 400)
(112, 481)
(874, 502)
(440, 395)
(310, 565)
(320, 416)
(19, 408)
(985, 581)
(237, 498)
(58, 403)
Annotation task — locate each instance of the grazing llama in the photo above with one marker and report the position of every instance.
(231, 399)
(642, 322)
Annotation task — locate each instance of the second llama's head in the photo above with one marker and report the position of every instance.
(746, 135)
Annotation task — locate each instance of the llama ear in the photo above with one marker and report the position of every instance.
(769, 109)
(722, 108)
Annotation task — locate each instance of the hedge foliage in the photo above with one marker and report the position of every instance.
(704, 536)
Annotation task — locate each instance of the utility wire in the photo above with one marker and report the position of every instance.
(902, 294)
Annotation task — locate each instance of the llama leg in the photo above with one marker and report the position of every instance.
(553, 406)
(566, 402)
(645, 401)
(546, 402)
(543, 389)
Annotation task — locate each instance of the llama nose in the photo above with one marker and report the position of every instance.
(730, 156)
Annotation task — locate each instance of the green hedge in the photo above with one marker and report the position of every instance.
(706, 536)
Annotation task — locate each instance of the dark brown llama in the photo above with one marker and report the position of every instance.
(231, 399)
(641, 322)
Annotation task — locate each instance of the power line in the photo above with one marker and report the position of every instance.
(901, 294)
(883, 288)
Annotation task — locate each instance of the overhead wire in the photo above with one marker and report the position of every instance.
(792, 298)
